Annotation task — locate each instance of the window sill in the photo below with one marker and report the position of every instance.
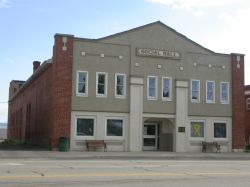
(81, 95)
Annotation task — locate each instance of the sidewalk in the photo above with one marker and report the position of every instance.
(5, 154)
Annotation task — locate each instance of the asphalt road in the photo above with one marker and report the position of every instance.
(132, 173)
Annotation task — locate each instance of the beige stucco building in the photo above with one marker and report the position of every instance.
(148, 88)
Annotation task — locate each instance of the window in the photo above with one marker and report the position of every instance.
(195, 91)
(224, 92)
(101, 84)
(85, 126)
(248, 104)
(152, 88)
(120, 85)
(210, 92)
(82, 83)
(114, 127)
(197, 129)
(166, 88)
(220, 130)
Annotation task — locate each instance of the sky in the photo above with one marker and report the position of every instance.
(27, 28)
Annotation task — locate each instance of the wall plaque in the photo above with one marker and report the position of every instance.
(158, 53)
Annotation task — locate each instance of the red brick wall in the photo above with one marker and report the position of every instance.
(32, 125)
(247, 117)
(41, 112)
(238, 102)
(62, 87)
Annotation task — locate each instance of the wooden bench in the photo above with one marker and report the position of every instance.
(206, 144)
(95, 144)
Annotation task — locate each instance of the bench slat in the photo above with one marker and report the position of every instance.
(95, 144)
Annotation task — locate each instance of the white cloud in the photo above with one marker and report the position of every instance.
(195, 4)
(5, 4)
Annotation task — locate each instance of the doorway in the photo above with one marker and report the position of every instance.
(150, 136)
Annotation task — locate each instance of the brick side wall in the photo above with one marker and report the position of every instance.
(29, 117)
(247, 116)
(238, 103)
(62, 86)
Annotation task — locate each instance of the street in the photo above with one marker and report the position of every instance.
(123, 172)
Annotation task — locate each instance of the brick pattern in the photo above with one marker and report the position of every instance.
(247, 117)
(238, 102)
(29, 117)
(62, 87)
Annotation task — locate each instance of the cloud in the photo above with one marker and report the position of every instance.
(194, 4)
(5, 4)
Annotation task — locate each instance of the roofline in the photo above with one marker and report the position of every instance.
(44, 66)
(164, 25)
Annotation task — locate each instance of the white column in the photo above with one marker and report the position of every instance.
(181, 115)
(136, 104)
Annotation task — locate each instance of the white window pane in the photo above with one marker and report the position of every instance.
(119, 90)
(166, 88)
(152, 92)
(81, 88)
(114, 127)
(120, 79)
(197, 129)
(82, 77)
(151, 82)
(101, 79)
(85, 127)
(220, 130)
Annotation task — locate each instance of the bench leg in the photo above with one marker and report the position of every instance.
(105, 147)
(204, 148)
(218, 148)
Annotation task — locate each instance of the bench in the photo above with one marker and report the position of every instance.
(206, 144)
(95, 144)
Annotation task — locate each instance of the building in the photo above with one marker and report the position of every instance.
(247, 114)
(148, 88)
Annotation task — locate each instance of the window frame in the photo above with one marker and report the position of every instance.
(105, 84)
(190, 132)
(86, 83)
(222, 101)
(170, 89)
(156, 87)
(124, 86)
(85, 137)
(106, 129)
(210, 101)
(217, 138)
(247, 104)
(191, 91)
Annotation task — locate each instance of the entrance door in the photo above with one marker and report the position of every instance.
(150, 136)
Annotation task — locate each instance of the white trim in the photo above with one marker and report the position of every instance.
(105, 84)
(170, 89)
(210, 101)
(227, 131)
(156, 88)
(191, 91)
(86, 83)
(124, 86)
(190, 133)
(227, 101)
(123, 129)
(75, 128)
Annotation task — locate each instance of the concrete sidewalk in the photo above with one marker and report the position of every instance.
(5, 154)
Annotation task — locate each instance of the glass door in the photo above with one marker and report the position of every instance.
(150, 136)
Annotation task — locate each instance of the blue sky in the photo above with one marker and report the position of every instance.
(27, 28)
